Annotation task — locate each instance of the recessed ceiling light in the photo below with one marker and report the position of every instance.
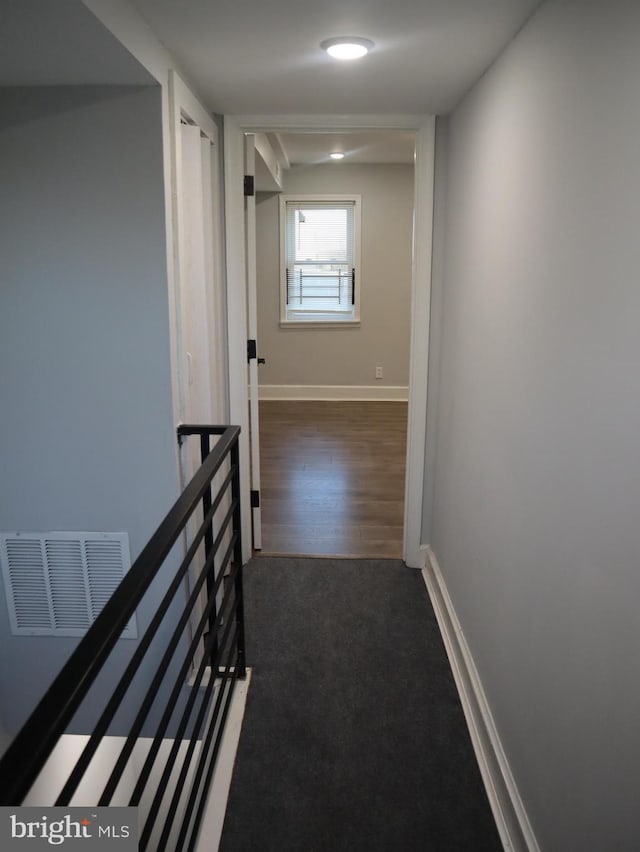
(347, 47)
(337, 155)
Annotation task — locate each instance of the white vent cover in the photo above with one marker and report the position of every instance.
(56, 583)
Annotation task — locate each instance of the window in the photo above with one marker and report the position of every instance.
(320, 248)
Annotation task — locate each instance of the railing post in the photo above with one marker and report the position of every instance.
(237, 556)
(205, 449)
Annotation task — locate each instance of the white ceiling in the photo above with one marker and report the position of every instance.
(263, 56)
(358, 147)
(61, 43)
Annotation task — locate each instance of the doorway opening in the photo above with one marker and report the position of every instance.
(239, 295)
(333, 279)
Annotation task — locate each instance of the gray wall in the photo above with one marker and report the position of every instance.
(86, 432)
(537, 479)
(344, 356)
(5, 739)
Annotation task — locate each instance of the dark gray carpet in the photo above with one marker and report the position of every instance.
(354, 737)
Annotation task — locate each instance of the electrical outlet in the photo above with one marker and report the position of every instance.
(379, 373)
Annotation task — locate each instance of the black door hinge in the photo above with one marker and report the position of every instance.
(252, 350)
(249, 186)
(255, 499)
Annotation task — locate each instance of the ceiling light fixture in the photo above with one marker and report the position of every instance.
(337, 155)
(347, 47)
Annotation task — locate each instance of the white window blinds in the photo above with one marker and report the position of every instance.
(320, 258)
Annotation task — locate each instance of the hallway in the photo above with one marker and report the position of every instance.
(333, 477)
(522, 480)
(353, 736)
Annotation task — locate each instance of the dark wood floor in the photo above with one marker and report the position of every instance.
(333, 478)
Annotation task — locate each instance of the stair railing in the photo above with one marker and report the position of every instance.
(166, 712)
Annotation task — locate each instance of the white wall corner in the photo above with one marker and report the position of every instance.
(415, 555)
(508, 810)
(424, 556)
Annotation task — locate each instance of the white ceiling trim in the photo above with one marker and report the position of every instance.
(330, 123)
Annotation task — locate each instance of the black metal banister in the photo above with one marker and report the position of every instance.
(110, 710)
(32, 746)
(175, 799)
(152, 691)
(166, 717)
(200, 770)
(157, 801)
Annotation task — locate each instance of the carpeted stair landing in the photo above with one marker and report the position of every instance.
(354, 737)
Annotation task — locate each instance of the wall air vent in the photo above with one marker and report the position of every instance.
(56, 583)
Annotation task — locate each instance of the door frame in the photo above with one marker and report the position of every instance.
(252, 333)
(424, 128)
(183, 105)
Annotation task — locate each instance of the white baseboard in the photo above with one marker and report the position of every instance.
(380, 393)
(508, 810)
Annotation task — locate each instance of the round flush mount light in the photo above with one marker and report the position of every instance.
(337, 155)
(347, 47)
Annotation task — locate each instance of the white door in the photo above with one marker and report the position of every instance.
(200, 322)
(196, 285)
(252, 328)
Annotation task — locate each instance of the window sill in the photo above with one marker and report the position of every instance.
(319, 324)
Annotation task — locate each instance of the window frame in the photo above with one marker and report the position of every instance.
(293, 319)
